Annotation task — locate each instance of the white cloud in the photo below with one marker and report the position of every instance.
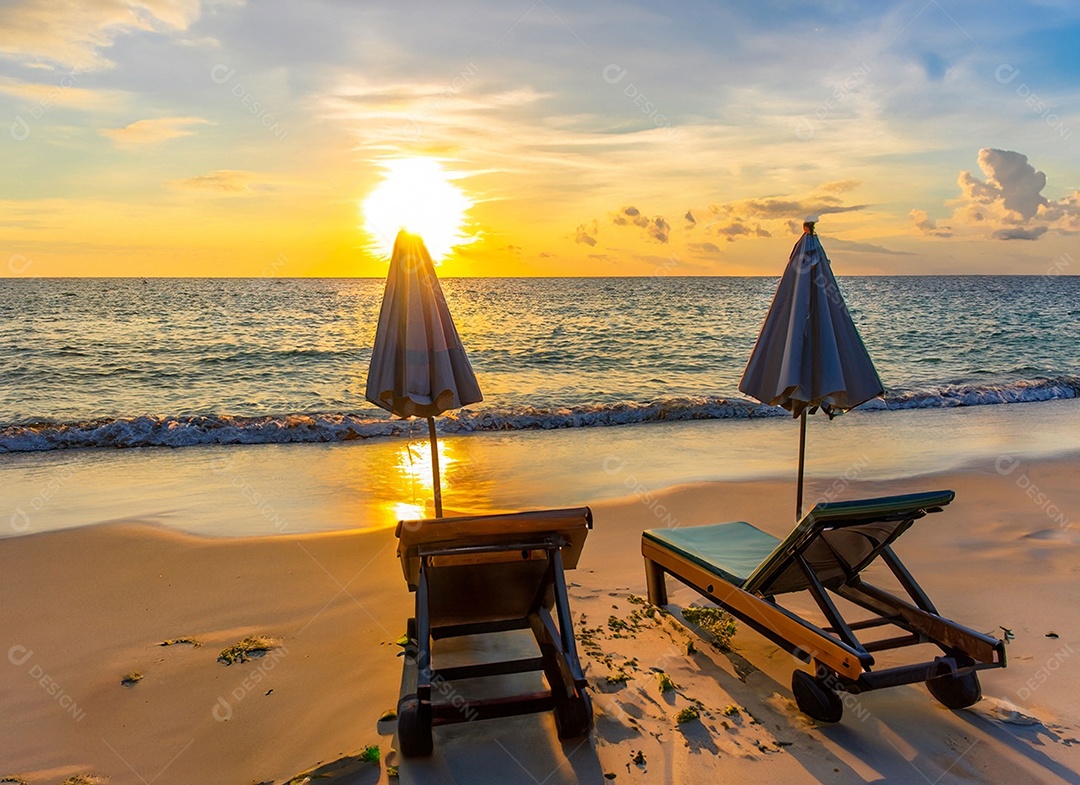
(152, 131)
(1007, 205)
(72, 34)
(1010, 179)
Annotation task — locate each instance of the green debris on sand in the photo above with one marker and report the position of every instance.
(617, 625)
(718, 624)
(731, 711)
(85, 779)
(391, 771)
(370, 754)
(689, 714)
(665, 682)
(131, 679)
(242, 652)
(190, 641)
(11, 778)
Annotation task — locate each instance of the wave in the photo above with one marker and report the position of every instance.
(190, 430)
(950, 395)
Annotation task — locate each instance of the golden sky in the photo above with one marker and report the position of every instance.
(187, 138)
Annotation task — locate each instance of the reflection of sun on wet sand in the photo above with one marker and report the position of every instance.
(84, 607)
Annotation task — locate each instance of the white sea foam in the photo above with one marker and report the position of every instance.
(183, 431)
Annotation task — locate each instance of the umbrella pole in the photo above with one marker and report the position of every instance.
(802, 463)
(437, 483)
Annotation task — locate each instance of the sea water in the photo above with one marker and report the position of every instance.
(180, 362)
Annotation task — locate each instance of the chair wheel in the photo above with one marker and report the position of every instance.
(414, 727)
(574, 717)
(815, 699)
(956, 692)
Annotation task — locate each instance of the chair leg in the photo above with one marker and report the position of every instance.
(655, 583)
(413, 714)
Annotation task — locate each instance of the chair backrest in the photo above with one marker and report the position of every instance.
(526, 529)
(839, 539)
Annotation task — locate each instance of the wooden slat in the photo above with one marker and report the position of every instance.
(778, 624)
(478, 628)
(491, 708)
(981, 648)
(484, 669)
(571, 524)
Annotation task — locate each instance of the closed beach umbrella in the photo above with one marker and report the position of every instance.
(809, 354)
(418, 365)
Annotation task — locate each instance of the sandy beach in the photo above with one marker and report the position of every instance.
(86, 607)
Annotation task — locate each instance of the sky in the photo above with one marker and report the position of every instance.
(222, 138)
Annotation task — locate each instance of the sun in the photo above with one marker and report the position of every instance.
(418, 196)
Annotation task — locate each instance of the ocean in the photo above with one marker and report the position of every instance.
(90, 363)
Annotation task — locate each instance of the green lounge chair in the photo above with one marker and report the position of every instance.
(487, 574)
(743, 569)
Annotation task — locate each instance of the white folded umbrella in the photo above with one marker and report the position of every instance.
(418, 364)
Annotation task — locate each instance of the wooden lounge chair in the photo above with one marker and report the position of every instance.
(486, 574)
(744, 569)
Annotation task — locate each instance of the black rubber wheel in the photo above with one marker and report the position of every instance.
(573, 718)
(815, 699)
(414, 727)
(956, 692)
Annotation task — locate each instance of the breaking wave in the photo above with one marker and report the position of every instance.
(189, 430)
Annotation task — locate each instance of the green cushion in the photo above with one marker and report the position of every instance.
(730, 551)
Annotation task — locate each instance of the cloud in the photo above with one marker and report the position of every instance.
(784, 208)
(230, 181)
(851, 245)
(63, 93)
(583, 234)
(1020, 233)
(1007, 205)
(659, 230)
(152, 131)
(742, 218)
(733, 230)
(927, 225)
(840, 186)
(1010, 178)
(705, 249)
(630, 215)
(655, 228)
(71, 34)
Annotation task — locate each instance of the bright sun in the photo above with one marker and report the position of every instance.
(416, 195)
